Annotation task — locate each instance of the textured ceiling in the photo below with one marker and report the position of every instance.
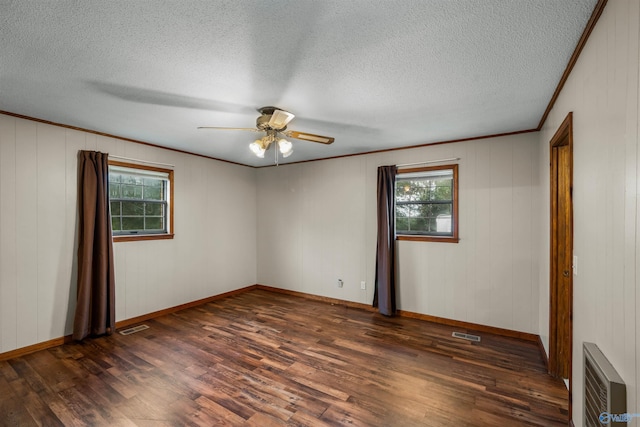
(374, 74)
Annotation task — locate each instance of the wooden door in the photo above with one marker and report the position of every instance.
(561, 280)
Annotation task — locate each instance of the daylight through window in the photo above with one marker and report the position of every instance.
(140, 200)
(426, 203)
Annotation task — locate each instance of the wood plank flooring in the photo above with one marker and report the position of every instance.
(267, 359)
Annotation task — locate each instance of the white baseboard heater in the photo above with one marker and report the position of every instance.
(605, 393)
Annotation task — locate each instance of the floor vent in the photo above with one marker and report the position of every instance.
(605, 394)
(133, 330)
(468, 337)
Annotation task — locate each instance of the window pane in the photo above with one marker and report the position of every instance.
(115, 177)
(115, 208)
(153, 209)
(131, 192)
(403, 211)
(424, 218)
(402, 224)
(153, 223)
(409, 210)
(132, 223)
(424, 189)
(440, 210)
(410, 191)
(115, 223)
(114, 190)
(434, 210)
(152, 182)
(131, 179)
(418, 224)
(443, 224)
(441, 189)
(153, 193)
(132, 208)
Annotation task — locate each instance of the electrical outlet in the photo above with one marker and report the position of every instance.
(363, 285)
(340, 283)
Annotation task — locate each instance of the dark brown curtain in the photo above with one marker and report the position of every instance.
(384, 296)
(95, 308)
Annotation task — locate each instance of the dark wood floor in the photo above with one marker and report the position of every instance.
(263, 358)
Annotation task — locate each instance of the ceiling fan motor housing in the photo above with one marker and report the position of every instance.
(262, 122)
(273, 118)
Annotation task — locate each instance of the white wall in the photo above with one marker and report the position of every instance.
(213, 250)
(317, 224)
(602, 92)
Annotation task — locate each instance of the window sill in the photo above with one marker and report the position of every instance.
(138, 237)
(445, 239)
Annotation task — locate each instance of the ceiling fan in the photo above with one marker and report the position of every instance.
(273, 122)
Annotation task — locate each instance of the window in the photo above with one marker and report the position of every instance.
(141, 202)
(427, 204)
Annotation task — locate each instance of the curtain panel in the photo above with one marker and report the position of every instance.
(385, 290)
(95, 307)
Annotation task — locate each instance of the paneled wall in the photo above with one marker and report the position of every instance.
(317, 224)
(213, 250)
(602, 92)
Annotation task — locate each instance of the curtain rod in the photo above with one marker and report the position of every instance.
(141, 161)
(427, 162)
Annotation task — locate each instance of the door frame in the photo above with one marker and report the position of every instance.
(562, 137)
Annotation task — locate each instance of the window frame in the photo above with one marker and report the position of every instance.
(454, 208)
(170, 205)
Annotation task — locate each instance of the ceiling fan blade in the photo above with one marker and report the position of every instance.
(280, 119)
(154, 97)
(223, 128)
(310, 137)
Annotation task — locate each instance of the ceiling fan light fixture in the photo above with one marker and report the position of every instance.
(286, 148)
(258, 148)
